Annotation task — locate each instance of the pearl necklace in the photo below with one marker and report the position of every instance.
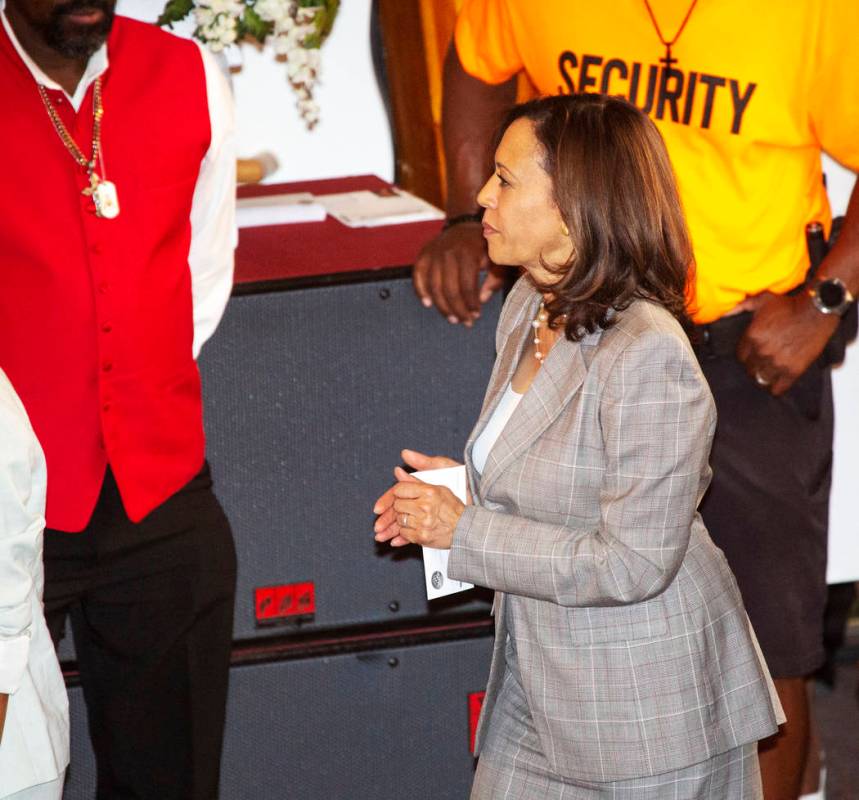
(542, 321)
(539, 321)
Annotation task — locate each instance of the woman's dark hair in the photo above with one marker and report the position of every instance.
(615, 189)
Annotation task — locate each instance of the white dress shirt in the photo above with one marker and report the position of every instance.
(34, 748)
(213, 212)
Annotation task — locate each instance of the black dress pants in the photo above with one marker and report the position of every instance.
(151, 607)
(767, 506)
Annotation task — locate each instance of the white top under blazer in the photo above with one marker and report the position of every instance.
(497, 422)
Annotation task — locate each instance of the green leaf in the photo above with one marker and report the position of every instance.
(174, 11)
(323, 21)
(251, 24)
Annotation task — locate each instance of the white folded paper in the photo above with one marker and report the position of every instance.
(435, 561)
(278, 209)
(366, 209)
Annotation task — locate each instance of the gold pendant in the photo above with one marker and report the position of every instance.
(104, 196)
(106, 200)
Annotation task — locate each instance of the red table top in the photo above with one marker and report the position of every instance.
(308, 249)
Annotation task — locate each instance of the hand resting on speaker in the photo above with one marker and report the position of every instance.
(414, 512)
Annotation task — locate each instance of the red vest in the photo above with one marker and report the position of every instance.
(96, 320)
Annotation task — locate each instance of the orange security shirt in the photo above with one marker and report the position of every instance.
(759, 88)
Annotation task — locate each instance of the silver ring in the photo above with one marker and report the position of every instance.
(404, 518)
(760, 380)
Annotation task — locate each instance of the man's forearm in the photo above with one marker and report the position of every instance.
(447, 271)
(471, 112)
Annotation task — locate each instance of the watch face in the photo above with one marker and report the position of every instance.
(831, 293)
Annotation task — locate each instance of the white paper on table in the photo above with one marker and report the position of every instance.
(368, 209)
(435, 561)
(278, 209)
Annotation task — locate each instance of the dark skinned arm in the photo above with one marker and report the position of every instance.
(788, 333)
(447, 270)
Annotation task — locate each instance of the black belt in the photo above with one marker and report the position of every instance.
(720, 338)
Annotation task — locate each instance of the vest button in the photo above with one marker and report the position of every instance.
(106, 328)
(95, 248)
(102, 287)
(107, 366)
(106, 407)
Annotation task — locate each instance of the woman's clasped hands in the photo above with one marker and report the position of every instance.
(414, 512)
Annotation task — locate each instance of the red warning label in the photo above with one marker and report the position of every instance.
(475, 703)
(289, 602)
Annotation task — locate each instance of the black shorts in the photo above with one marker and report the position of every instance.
(767, 507)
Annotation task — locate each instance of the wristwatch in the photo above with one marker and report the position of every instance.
(830, 296)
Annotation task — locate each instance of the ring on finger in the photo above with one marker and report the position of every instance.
(404, 520)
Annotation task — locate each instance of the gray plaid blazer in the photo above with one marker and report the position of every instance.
(635, 651)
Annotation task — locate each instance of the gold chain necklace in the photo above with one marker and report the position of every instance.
(668, 60)
(103, 192)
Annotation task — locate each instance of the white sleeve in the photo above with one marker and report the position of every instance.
(22, 504)
(213, 211)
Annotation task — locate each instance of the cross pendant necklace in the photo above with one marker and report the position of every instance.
(668, 61)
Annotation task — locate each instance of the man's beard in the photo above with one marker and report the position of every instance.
(75, 40)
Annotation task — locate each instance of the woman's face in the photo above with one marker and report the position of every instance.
(521, 222)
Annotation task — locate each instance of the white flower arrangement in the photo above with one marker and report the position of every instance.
(295, 28)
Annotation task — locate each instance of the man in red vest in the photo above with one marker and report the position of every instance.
(117, 236)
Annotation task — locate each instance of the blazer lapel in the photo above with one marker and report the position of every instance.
(505, 366)
(560, 377)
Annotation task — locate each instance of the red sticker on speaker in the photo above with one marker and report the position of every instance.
(291, 602)
(475, 703)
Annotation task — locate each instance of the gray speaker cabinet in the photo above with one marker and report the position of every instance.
(310, 394)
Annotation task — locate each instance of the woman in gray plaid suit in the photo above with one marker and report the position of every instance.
(624, 664)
